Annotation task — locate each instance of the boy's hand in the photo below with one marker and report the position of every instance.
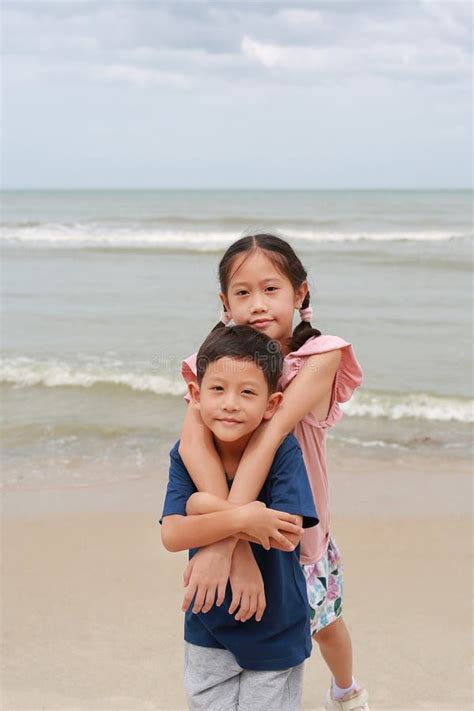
(206, 574)
(246, 581)
(262, 524)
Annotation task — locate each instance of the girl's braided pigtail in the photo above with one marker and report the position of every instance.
(304, 329)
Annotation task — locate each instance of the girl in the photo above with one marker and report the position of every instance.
(262, 282)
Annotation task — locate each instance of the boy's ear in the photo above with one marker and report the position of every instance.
(195, 393)
(300, 294)
(225, 302)
(272, 405)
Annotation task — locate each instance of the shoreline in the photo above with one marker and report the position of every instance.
(361, 484)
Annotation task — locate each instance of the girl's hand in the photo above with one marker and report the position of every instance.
(262, 524)
(206, 574)
(248, 592)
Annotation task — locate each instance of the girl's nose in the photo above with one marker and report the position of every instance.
(258, 304)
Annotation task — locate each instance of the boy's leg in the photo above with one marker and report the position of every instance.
(211, 679)
(271, 690)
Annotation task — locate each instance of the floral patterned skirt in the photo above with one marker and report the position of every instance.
(324, 584)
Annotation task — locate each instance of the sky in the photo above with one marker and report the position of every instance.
(236, 95)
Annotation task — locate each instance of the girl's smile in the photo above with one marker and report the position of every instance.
(261, 323)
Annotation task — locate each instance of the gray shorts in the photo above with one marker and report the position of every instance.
(215, 682)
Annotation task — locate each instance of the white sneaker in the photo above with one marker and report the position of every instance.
(355, 700)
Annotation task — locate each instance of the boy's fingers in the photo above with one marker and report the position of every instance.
(209, 601)
(260, 607)
(253, 607)
(244, 606)
(235, 602)
(280, 538)
(220, 594)
(199, 601)
(188, 597)
(290, 527)
(187, 573)
(285, 516)
(245, 615)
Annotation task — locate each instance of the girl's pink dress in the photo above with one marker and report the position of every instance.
(310, 432)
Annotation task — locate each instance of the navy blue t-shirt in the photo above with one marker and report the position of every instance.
(282, 638)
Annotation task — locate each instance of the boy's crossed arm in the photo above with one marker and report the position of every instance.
(210, 519)
(202, 503)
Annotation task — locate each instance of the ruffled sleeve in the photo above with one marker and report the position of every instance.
(348, 376)
(188, 371)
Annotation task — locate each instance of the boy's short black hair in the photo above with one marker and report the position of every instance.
(242, 342)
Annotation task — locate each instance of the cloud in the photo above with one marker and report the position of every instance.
(414, 41)
(228, 93)
(197, 43)
(389, 59)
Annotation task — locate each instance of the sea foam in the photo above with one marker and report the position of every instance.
(27, 372)
(90, 235)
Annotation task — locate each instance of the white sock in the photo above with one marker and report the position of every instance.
(338, 693)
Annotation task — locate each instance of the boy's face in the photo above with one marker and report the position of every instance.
(233, 398)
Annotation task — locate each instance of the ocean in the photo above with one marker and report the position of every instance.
(105, 292)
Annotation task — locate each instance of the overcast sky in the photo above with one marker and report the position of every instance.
(237, 94)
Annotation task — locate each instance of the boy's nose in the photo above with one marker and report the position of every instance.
(231, 403)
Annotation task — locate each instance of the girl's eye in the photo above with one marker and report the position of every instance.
(218, 388)
(272, 288)
(249, 392)
(241, 292)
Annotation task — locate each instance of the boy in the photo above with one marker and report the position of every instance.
(231, 664)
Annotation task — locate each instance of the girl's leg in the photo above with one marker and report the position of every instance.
(336, 648)
(325, 588)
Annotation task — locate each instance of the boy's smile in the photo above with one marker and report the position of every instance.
(233, 398)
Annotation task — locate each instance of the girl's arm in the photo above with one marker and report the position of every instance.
(312, 387)
(210, 569)
(199, 455)
(309, 389)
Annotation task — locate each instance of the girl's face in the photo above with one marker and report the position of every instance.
(261, 296)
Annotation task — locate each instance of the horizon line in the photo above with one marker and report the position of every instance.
(238, 189)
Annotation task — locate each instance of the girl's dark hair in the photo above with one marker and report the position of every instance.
(243, 343)
(285, 260)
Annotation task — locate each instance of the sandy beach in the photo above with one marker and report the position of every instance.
(91, 600)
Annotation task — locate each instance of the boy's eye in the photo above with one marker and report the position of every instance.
(217, 387)
(248, 392)
(272, 288)
(241, 292)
